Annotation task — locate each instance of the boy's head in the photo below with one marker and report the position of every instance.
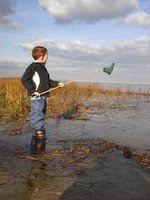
(40, 53)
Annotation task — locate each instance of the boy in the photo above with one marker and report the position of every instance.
(36, 79)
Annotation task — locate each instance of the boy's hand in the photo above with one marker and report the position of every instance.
(36, 94)
(61, 84)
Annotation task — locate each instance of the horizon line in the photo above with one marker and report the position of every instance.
(114, 82)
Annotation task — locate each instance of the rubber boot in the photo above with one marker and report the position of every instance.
(37, 145)
(38, 141)
(40, 134)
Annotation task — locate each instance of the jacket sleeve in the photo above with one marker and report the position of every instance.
(53, 83)
(27, 80)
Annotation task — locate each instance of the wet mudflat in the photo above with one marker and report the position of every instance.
(105, 156)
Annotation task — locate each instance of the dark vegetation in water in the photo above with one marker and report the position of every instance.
(141, 157)
(81, 154)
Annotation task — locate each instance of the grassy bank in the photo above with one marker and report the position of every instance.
(66, 102)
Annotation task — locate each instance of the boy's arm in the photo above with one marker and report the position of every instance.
(53, 83)
(27, 80)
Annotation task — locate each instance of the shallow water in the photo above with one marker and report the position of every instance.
(110, 177)
(123, 122)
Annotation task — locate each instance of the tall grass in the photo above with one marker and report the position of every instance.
(12, 96)
(65, 102)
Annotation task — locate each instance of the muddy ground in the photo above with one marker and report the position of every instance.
(106, 156)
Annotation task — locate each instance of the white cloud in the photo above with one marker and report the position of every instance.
(71, 59)
(139, 17)
(6, 22)
(6, 11)
(66, 11)
(126, 52)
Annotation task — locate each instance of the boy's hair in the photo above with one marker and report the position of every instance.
(39, 51)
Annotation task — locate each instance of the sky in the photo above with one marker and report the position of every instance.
(80, 35)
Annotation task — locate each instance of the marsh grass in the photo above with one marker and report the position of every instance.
(12, 96)
(69, 102)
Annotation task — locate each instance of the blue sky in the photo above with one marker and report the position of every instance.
(81, 35)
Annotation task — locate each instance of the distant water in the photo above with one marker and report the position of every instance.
(132, 86)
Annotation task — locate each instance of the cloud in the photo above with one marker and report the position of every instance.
(6, 11)
(6, 22)
(66, 11)
(73, 58)
(127, 52)
(139, 17)
(11, 68)
(70, 59)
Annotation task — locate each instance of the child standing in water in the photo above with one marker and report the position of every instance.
(36, 80)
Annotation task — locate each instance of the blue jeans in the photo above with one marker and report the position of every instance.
(37, 115)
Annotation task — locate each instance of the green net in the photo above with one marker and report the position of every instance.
(108, 70)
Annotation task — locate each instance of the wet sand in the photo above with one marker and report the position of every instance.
(98, 173)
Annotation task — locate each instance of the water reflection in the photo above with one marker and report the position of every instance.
(36, 178)
(37, 145)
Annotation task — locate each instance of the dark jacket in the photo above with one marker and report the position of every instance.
(37, 79)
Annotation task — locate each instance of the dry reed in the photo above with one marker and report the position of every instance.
(69, 102)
